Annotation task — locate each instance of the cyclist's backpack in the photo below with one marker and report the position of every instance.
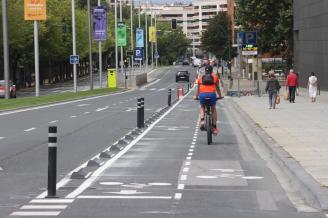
(207, 79)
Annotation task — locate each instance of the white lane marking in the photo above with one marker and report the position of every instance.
(186, 169)
(111, 183)
(62, 103)
(194, 140)
(177, 196)
(190, 154)
(73, 116)
(100, 170)
(152, 89)
(87, 112)
(30, 129)
(121, 102)
(188, 163)
(2, 138)
(122, 197)
(183, 177)
(193, 143)
(102, 109)
(60, 184)
(188, 158)
(128, 192)
(83, 105)
(52, 201)
(252, 177)
(160, 184)
(48, 207)
(162, 89)
(114, 104)
(191, 150)
(181, 186)
(207, 177)
(54, 121)
(35, 213)
(192, 146)
(195, 137)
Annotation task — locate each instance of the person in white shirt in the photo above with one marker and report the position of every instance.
(313, 87)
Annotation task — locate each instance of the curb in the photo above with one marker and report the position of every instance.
(313, 193)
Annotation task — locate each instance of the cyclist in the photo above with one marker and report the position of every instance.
(207, 88)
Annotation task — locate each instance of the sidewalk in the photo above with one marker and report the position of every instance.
(300, 129)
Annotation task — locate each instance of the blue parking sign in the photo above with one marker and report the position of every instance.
(74, 59)
(250, 38)
(138, 54)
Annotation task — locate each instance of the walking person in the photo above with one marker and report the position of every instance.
(272, 88)
(313, 87)
(292, 84)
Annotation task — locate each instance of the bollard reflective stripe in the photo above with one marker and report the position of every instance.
(139, 113)
(52, 161)
(142, 109)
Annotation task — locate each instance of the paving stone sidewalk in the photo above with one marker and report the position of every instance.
(300, 129)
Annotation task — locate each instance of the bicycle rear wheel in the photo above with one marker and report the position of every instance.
(209, 129)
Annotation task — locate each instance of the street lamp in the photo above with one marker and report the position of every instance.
(5, 47)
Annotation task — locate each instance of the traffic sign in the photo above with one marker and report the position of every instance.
(138, 54)
(156, 55)
(249, 50)
(247, 38)
(74, 59)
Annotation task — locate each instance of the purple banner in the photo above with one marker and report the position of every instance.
(99, 23)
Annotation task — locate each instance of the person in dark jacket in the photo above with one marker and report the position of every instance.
(272, 88)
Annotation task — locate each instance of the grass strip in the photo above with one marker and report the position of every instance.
(10, 104)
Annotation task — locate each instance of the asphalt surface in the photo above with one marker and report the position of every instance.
(167, 171)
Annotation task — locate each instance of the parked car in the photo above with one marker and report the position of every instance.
(182, 76)
(185, 62)
(12, 89)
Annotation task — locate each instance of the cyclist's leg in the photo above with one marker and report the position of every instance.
(202, 97)
(214, 113)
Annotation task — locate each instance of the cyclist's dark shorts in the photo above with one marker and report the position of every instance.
(211, 95)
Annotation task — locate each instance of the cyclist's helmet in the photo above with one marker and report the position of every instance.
(208, 69)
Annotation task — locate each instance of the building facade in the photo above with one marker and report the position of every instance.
(311, 40)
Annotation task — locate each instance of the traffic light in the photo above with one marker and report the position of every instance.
(174, 24)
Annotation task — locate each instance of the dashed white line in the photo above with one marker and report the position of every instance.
(188, 158)
(183, 177)
(187, 163)
(52, 201)
(102, 109)
(54, 121)
(192, 146)
(51, 207)
(87, 112)
(190, 154)
(194, 140)
(181, 186)
(186, 169)
(177, 196)
(82, 105)
(73, 116)
(2, 138)
(35, 213)
(121, 197)
(30, 129)
(193, 143)
(191, 150)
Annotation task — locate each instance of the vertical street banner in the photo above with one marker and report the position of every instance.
(35, 10)
(152, 34)
(140, 38)
(121, 34)
(99, 23)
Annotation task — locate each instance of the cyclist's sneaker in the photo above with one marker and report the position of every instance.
(215, 131)
(202, 125)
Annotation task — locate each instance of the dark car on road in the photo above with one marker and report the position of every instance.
(12, 89)
(182, 76)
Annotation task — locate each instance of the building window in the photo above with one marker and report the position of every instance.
(208, 6)
(224, 6)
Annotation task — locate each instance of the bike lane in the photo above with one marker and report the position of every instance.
(172, 172)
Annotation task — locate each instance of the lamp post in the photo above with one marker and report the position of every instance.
(74, 44)
(5, 47)
(100, 60)
(90, 45)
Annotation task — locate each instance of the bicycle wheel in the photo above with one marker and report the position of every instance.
(209, 129)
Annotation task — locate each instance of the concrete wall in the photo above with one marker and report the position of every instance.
(311, 40)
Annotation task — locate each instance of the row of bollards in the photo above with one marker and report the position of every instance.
(52, 141)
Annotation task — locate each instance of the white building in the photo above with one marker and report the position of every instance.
(193, 19)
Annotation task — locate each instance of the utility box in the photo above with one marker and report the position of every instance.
(111, 78)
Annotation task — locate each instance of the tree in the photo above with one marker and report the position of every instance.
(274, 22)
(217, 37)
(171, 43)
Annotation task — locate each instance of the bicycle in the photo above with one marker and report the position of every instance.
(208, 119)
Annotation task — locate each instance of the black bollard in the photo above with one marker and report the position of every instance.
(139, 113)
(169, 97)
(142, 112)
(52, 161)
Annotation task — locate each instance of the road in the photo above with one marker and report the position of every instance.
(166, 171)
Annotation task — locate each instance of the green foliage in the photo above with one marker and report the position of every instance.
(274, 22)
(171, 43)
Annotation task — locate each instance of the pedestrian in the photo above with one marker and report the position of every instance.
(272, 88)
(291, 85)
(313, 87)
